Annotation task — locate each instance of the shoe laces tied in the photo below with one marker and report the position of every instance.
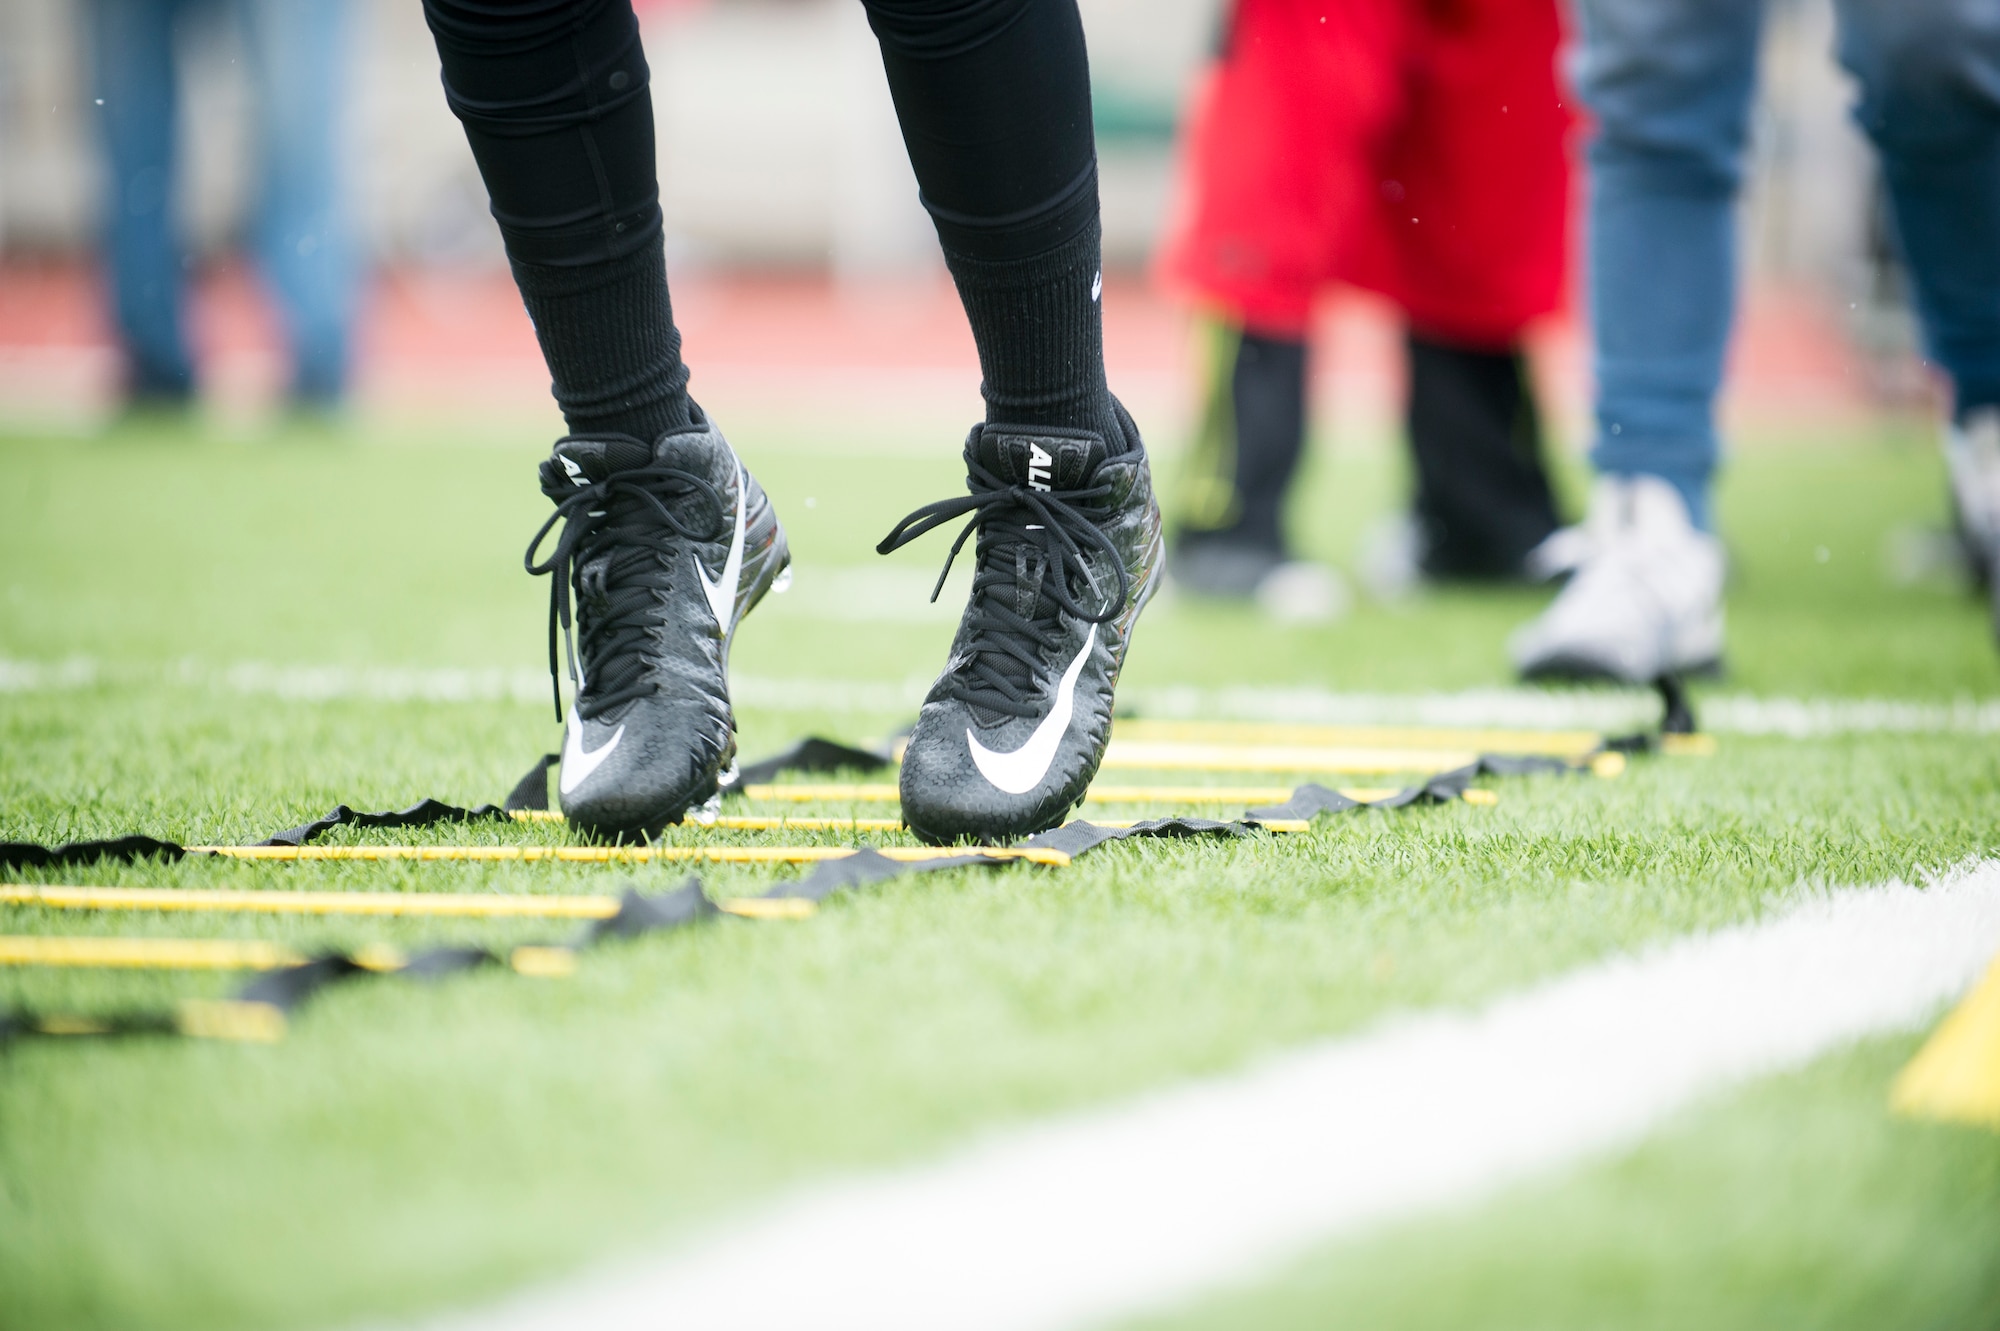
(612, 549)
(1002, 660)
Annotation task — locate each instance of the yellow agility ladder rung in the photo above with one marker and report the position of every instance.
(1553, 743)
(1350, 760)
(625, 854)
(751, 823)
(226, 954)
(472, 905)
(866, 793)
(896, 824)
(179, 954)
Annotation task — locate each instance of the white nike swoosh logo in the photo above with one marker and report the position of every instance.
(1021, 771)
(577, 764)
(722, 592)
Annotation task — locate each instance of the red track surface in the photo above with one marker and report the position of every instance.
(434, 341)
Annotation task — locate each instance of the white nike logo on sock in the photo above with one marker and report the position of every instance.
(722, 592)
(578, 764)
(1021, 771)
(1097, 284)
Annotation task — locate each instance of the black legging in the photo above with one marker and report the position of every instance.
(993, 96)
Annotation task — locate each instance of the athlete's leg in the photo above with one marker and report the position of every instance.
(134, 86)
(554, 98)
(1228, 535)
(1930, 99)
(994, 100)
(667, 542)
(1475, 239)
(299, 52)
(1483, 500)
(1669, 82)
(1276, 180)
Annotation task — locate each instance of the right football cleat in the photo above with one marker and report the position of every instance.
(1069, 552)
(664, 549)
(1645, 602)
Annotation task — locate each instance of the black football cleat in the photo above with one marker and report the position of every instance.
(1069, 552)
(664, 549)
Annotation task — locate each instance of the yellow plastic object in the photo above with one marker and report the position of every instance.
(380, 957)
(1555, 743)
(1956, 1075)
(465, 904)
(623, 854)
(754, 823)
(469, 904)
(1608, 765)
(1485, 799)
(1245, 796)
(768, 908)
(181, 954)
(230, 1019)
(1688, 746)
(545, 963)
(805, 791)
(1165, 755)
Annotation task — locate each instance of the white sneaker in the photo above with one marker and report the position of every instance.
(1972, 452)
(1301, 592)
(1646, 600)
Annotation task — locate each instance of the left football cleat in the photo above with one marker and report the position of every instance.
(664, 548)
(1069, 552)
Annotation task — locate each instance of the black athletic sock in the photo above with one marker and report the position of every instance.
(553, 95)
(1483, 499)
(607, 332)
(1037, 323)
(993, 97)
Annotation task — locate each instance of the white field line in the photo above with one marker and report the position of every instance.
(1513, 708)
(1109, 1213)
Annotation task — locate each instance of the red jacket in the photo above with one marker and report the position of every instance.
(1417, 148)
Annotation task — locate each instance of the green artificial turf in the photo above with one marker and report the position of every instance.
(212, 639)
(1791, 1204)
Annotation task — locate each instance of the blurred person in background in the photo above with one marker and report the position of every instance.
(667, 541)
(296, 52)
(1414, 148)
(1669, 84)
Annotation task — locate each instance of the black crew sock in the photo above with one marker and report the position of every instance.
(1038, 323)
(607, 331)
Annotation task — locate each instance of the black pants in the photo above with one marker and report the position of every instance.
(993, 96)
(994, 101)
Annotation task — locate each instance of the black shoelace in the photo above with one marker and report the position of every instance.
(612, 546)
(1003, 652)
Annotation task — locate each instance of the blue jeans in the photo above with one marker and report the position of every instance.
(1669, 83)
(298, 232)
